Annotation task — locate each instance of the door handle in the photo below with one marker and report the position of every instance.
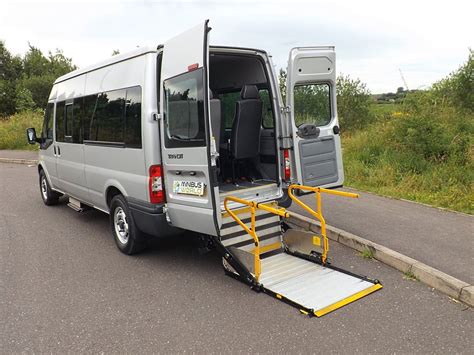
(328, 138)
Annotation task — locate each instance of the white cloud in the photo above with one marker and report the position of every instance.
(373, 39)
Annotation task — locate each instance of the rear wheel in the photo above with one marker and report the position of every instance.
(127, 236)
(49, 196)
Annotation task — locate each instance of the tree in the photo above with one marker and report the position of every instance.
(10, 70)
(353, 103)
(39, 73)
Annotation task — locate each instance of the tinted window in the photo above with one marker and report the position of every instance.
(184, 111)
(108, 121)
(77, 120)
(267, 112)
(228, 107)
(133, 119)
(87, 113)
(47, 132)
(60, 121)
(312, 104)
(68, 123)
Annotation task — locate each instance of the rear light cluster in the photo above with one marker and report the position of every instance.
(286, 161)
(155, 184)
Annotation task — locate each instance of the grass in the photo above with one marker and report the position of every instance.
(367, 253)
(424, 159)
(13, 130)
(409, 275)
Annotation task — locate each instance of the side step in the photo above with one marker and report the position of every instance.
(77, 206)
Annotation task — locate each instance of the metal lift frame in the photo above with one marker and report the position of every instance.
(322, 259)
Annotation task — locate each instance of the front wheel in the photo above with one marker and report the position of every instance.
(49, 196)
(127, 236)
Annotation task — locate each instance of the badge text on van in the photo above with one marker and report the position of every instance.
(175, 156)
(189, 187)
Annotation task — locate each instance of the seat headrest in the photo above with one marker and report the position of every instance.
(249, 92)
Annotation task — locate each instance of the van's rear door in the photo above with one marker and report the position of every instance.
(314, 127)
(189, 171)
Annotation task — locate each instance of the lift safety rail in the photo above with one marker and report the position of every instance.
(300, 273)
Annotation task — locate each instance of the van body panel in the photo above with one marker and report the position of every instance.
(317, 159)
(70, 156)
(86, 170)
(104, 165)
(185, 162)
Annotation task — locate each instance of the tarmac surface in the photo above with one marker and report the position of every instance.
(439, 238)
(65, 287)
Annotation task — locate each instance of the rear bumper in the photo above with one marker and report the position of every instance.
(150, 219)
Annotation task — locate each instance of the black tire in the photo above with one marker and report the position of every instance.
(126, 234)
(48, 196)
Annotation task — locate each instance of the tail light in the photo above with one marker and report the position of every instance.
(155, 185)
(286, 161)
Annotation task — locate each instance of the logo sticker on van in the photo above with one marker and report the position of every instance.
(175, 156)
(189, 187)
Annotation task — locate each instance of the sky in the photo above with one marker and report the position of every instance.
(374, 40)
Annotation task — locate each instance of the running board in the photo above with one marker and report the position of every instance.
(77, 206)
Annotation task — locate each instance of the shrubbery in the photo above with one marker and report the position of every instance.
(422, 150)
(13, 129)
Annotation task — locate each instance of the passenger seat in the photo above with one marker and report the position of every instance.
(215, 109)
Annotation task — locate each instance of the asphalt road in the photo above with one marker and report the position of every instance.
(64, 287)
(439, 238)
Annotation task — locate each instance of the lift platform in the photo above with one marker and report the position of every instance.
(289, 264)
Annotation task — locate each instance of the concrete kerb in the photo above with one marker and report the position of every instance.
(432, 277)
(19, 161)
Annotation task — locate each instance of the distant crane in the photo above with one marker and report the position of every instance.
(403, 78)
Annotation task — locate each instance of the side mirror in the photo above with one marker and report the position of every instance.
(31, 135)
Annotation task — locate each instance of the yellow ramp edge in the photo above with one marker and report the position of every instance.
(321, 312)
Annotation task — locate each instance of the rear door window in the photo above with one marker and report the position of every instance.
(184, 110)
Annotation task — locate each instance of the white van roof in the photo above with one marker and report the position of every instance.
(112, 60)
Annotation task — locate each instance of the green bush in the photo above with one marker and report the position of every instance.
(13, 130)
(353, 103)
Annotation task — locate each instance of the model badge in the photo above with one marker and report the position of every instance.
(175, 156)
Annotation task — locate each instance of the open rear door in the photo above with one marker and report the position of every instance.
(311, 99)
(186, 148)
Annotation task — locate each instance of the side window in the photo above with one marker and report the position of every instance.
(312, 104)
(267, 112)
(68, 128)
(77, 120)
(184, 112)
(89, 107)
(228, 107)
(108, 121)
(60, 121)
(133, 118)
(47, 130)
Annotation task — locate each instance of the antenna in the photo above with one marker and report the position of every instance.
(403, 78)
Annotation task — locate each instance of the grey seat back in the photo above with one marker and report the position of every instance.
(216, 118)
(245, 139)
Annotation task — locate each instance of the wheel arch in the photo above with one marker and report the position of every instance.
(112, 189)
